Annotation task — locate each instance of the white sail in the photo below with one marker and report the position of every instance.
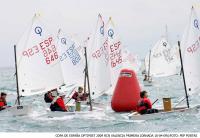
(115, 51)
(190, 46)
(161, 60)
(72, 60)
(99, 69)
(37, 59)
(176, 58)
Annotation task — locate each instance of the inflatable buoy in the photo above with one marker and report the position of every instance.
(127, 92)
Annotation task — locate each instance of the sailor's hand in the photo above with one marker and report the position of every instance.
(78, 99)
(67, 109)
(3, 107)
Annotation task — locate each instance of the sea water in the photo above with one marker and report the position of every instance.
(106, 121)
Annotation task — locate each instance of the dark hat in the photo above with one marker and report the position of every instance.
(3, 93)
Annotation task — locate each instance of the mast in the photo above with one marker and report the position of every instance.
(166, 32)
(87, 78)
(186, 94)
(18, 97)
(149, 64)
(85, 81)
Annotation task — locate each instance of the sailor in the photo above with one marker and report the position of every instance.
(145, 78)
(3, 103)
(80, 95)
(58, 103)
(144, 72)
(49, 96)
(144, 104)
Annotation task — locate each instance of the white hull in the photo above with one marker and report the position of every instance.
(18, 110)
(161, 114)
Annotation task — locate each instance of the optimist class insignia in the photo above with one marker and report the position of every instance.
(111, 33)
(63, 41)
(196, 23)
(165, 44)
(38, 30)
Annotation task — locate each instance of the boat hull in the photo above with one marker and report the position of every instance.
(161, 113)
(18, 110)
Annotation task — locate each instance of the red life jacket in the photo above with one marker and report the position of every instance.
(58, 105)
(83, 97)
(144, 104)
(2, 102)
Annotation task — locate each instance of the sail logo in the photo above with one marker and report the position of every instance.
(196, 23)
(38, 30)
(111, 33)
(63, 41)
(102, 29)
(165, 44)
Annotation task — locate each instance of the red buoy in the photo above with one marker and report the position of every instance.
(127, 92)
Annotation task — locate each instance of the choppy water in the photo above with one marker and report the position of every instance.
(107, 121)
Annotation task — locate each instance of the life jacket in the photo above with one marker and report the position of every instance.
(143, 105)
(58, 104)
(47, 98)
(2, 103)
(83, 96)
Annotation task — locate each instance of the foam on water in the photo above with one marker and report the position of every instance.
(40, 119)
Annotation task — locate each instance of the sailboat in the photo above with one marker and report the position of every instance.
(85, 109)
(37, 62)
(18, 109)
(189, 56)
(98, 60)
(159, 61)
(95, 70)
(109, 54)
(72, 62)
(148, 80)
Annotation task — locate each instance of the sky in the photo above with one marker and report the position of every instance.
(140, 23)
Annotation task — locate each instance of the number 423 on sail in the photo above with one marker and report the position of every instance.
(46, 47)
